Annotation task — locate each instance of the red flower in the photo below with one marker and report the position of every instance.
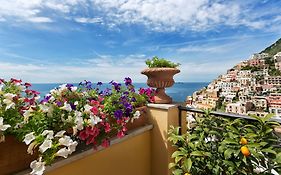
(15, 80)
(95, 103)
(83, 135)
(107, 128)
(95, 110)
(120, 134)
(27, 84)
(105, 143)
(92, 131)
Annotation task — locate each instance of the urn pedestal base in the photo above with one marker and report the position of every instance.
(161, 97)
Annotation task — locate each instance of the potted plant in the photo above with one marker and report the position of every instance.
(54, 126)
(160, 74)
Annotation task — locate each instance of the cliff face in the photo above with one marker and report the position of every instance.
(274, 48)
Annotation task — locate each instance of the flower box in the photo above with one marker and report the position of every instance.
(13, 156)
(141, 121)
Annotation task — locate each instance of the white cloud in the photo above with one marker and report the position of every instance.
(171, 15)
(165, 15)
(104, 68)
(88, 20)
(33, 10)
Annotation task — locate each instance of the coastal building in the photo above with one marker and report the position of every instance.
(259, 56)
(278, 65)
(260, 102)
(272, 80)
(275, 111)
(277, 57)
(238, 108)
(256, 62)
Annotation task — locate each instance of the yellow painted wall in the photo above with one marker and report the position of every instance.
(161, 149)
(130, 157)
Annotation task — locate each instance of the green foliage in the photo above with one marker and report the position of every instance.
(274, 48)
(213, 147)
(251, 68)
(160, 62)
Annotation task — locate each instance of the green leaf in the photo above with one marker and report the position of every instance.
(268, 150)
(278, 157)
(229, 141)
(177, 159)
(187, 163)
(227, 153)
(178, 172)
(172, 165)
(197, 153)
(177, 154)
(267, 117)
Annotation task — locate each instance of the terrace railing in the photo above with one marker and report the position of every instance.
(215, 113)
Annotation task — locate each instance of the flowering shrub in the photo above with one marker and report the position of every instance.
(68, 115)
(219, 145)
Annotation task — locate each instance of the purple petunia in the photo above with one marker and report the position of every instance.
(73, 107)
(99, 83)
(117, 86)
(46, 99)
(118, 114)
(128, 81)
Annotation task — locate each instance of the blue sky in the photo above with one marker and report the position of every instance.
(43, 41)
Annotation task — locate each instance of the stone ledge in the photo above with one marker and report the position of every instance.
(81, 155)
(165, 106)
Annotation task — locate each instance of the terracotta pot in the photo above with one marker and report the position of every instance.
(141, 121)
(14, 156)
(161, 78)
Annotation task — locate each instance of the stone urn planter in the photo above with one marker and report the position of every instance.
(161, 78)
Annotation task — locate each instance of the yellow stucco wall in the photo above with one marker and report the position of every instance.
(162, 117)
(130, 157)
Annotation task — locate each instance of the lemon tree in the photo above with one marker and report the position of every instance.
(227, 146)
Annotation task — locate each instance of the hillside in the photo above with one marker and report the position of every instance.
(274, 48)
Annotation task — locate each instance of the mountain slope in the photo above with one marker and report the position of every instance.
(274, 48)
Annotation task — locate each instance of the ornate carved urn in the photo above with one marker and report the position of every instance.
(161, 78)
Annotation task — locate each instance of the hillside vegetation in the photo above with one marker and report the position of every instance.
(274, 48)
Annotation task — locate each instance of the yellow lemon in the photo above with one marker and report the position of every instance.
(245, 151)
(243, 141)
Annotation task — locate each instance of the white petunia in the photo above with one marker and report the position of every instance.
(9, 96)
(63, 152)
(87, 108)
(2, 126)
(38, 167)
(48, 133)
(9, 104)
(45, 145)
(65, 141)
(30, 147)
(28, 138)
(74, 88)
(66, 107)
(94, 120)
(44, 108)
(72, 146)
(27, 114)
(60, 134)
(136, 115)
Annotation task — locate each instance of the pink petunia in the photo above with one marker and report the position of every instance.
(105, 143)
(95, 110)
(120, 134)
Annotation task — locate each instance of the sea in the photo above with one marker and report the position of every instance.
(179, 91)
